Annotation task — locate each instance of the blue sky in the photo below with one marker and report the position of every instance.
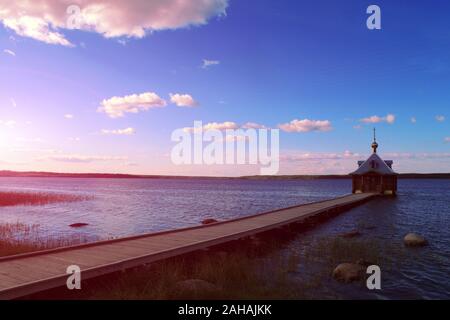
(276, 61)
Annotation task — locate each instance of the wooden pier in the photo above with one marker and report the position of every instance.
(25, 274)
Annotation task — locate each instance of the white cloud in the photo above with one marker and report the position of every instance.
(183, 100)
(234, 138)
(390, 118)
(299, 156)
(440, 118)
(447, 139)
(298, 162)
(208, 63)
(116, 107)
(215, 126)
(13, 102)
(10, 52)
(68, 116)
(417, 155)
(226, 125)
(253, 125)
(9, 123)
(122, 42)
(306, 125)
(82, 158)
(126, 132)
(30, 140)
(413, 120)
(44, 20)
(221, 125)
(36, 27)
(302, 156)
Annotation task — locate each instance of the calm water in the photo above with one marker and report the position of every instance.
(121, 207)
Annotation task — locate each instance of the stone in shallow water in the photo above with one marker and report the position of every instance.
(78, 225)
(209, 220)
(414, 240)
(348, 272)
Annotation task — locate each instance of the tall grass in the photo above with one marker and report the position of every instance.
(16, 238)
(12, 198)
(236, 275)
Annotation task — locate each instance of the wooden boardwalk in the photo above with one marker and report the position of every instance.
(24, 274)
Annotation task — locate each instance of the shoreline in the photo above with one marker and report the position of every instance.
(44, 174)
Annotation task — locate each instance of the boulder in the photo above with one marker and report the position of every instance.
(414, 240)
(78, 225)
(209, 220)
(349, 272)
(195, 288)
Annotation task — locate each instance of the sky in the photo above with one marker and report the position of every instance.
(104, 92)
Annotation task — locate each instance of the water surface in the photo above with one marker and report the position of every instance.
(121, 207)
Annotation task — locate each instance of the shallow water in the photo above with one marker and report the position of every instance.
(422, 206)
(120, 207)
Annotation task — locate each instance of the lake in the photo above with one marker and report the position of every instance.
(121, 207)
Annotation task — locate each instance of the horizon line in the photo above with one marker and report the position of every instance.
(31, 174)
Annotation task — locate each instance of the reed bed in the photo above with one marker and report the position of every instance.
(12, 198)
(16, 238)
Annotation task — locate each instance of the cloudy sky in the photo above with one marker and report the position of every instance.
(99, 86)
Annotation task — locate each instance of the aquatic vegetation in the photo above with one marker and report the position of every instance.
(9, 231)
(236, 275)
(12, 198)
(16, 238)
(334, 250)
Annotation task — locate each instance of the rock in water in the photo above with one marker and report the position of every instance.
(209, 220)
(414, 240)
(348, 272)
(78, 225)
(195, 288)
